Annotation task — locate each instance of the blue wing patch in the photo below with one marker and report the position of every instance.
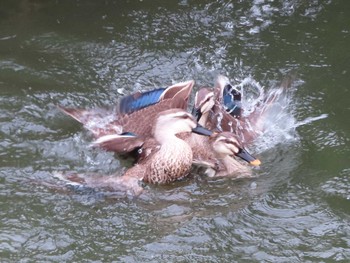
(137, 101)
(129, 134)
(232, 101)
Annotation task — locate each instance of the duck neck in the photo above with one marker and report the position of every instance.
(203, 119)
(165, 138)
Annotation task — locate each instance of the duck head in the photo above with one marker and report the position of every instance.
(226, 144)
(174, 121)
(203, 103)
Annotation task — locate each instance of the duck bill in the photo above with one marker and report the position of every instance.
(202, 131)
(248, 157)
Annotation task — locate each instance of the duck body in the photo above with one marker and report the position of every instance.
(166, 157)
(169, 162)
(172, 158)
(245, 127)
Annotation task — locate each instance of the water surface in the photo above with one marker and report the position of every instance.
(90, 53)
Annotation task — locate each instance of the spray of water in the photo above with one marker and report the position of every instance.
(271, 113)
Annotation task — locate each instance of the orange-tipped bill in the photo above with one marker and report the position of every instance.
(248, 157)
(256, 162)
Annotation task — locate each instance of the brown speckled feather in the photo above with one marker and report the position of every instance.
(169, 163)
(201, 147)
(163, 162)
(221, 120)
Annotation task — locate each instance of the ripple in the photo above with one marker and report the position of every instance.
(10, 65)
(279, 227)
(339, 186)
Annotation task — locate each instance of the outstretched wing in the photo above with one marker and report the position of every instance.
(138, 101)
(119, 143)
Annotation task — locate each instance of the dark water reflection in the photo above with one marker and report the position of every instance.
(89, 53)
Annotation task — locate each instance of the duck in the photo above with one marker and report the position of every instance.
(220, 108)
(170, 161)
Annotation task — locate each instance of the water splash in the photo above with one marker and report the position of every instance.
(99, 123)
(252, 93)
(311, 119)
(270, 114)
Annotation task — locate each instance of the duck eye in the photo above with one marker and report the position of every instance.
(228, 141)
(184, 116)
(234, 143)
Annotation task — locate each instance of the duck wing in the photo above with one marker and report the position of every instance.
(85, 115)
(99, 121)
(141, 100)
(138, 101)
(119, 143)
(141, 122)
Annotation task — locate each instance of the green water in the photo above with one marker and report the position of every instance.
(90, 53)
